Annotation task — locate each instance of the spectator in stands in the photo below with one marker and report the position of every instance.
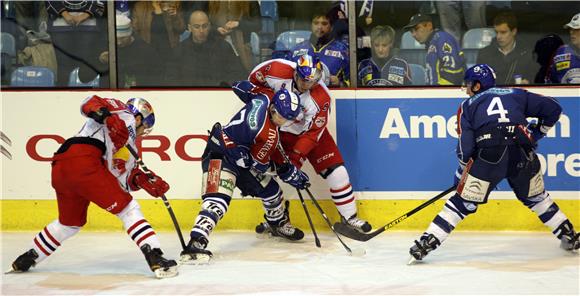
(565, 66)
(79, 34)
(158, 23)
(132, 52)
(205, 59)
(444, 61)
(383, 68)
(452, 14)
(235, 21)
(544, 52)
(333, 53)
(511, 60)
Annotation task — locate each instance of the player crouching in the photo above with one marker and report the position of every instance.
(238, 155)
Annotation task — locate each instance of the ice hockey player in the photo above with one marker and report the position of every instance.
(238, 155)
(96, 166)
(307, 137)
(495, 143)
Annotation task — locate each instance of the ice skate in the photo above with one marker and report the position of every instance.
(163, 268)
(569, 239)
(356, 223)
(24, 262)
(195, 252)
(426, 244)
(282, 228)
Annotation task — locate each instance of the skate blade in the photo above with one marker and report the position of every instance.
(170, 272)
(198, 259)
(413, 261)
(11, 270)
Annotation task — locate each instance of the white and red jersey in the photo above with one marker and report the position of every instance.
(312, 120)
(120, 163)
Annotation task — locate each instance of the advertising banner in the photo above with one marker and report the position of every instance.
(407, 142)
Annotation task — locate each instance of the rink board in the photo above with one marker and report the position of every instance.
(398, 146)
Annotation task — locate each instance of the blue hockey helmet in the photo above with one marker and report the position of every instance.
(140, 106)
(309, 68)
(481, 73)
(287, 104)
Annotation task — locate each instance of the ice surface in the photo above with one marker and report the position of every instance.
(109, 263)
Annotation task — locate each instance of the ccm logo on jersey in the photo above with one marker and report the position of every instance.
(320, 121)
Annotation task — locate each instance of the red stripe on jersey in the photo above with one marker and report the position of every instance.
(144, 237)
(340, 189)
(40, 247)
(50, 237)
(344, 202)
(135, 225)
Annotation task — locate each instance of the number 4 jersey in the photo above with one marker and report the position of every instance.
(500, 106)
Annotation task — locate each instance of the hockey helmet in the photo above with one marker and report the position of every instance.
(287, 104)
(481, 73)
(309, 68)
(140, 106)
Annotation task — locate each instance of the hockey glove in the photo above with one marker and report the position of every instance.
(118, 131)
(290, 174)
(296, 159)
(151, 183)
(535, 130)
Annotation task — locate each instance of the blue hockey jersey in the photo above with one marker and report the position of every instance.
(444, 61)
(565, 66)
(394, 72)
(500, 106)
(252, 128)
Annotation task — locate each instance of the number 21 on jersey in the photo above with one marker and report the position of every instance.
(496, 107)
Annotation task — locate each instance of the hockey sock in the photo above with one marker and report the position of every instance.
(547, 210)
(341, 192)
(137, 226)
(454, 211)
(50, 238)
(213, 209)
(272, 201)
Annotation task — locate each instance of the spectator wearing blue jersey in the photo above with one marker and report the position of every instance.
(383, 69)
(507, 55)
(566, 63)
(495, 142)
(444, 61)
(330, 51)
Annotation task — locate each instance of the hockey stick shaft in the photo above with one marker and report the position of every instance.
(326, 219)
(287, 160)
(165, 201)
(367, 236)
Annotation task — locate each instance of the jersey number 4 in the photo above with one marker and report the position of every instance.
(496, 107)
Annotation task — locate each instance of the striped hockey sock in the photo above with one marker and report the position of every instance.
(50, 238)
(137, 226)
(342, 192)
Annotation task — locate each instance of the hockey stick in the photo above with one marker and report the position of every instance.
(327, 220)
(363, 237)
(287, 160)
(165, 201)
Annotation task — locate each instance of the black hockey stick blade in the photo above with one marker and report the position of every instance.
(363, 237)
